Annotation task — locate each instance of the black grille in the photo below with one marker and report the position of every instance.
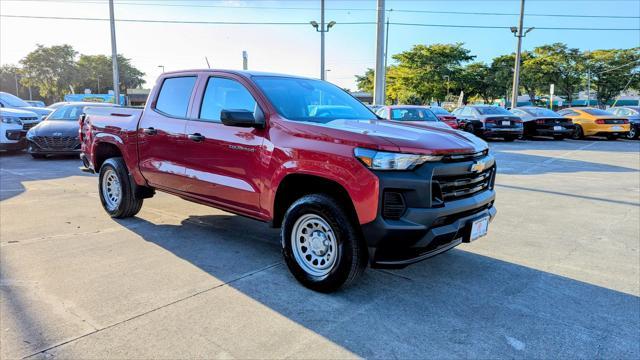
(393, 205)
(57, 142)
(464, 157)
(28, 126)
(453, 187)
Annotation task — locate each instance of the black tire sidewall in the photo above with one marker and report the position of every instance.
(117, 164)
(577, 133)
(345, 234)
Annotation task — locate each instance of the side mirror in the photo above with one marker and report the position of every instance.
(241, 118)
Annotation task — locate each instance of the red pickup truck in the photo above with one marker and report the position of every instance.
(347, 188)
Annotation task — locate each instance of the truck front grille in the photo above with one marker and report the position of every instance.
(57, 142)
(454, 187)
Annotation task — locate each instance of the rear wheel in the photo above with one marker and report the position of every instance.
(116, 193)
(469, 128)
(577, 134)
(322, 245)
(633, 133)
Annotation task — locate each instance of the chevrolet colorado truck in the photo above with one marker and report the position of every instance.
(346, 188)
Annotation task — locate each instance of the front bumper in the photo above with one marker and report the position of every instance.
(15, 140)
(33, 148)
(426, 228)
(19, 145)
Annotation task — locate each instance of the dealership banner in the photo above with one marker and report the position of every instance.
(93, 98)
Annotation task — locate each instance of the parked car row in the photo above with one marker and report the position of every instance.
(526, 122)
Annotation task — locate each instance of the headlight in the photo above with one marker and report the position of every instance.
(10, 120)
(30, 134)
(378, 160)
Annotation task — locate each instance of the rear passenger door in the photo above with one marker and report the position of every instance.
(222, 163)
(161, 133)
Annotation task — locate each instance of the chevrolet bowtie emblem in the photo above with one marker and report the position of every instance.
(478, 166)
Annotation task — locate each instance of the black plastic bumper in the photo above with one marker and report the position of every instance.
(425, 228)
(33, 148)
(502, 132)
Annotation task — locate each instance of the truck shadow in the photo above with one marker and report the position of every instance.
(19, 167)
(517, 163)
(458, 304)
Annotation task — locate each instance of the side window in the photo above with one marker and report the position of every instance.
(225, 94)
(174, 96)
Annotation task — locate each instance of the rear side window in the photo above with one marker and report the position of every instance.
(225, 94)
(174, 96)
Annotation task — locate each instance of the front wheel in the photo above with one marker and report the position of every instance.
(322, 246)
(116, 192)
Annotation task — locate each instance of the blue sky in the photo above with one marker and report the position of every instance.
(295, 48)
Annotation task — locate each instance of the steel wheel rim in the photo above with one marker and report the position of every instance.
(111, 189)
(632, 133)
(314, 245)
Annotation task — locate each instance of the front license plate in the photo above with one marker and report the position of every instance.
(616, 128)
(506, 123)
(479, 228)
(558, 128)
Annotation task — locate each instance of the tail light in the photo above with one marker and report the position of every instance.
(625, 121)
(517, 121)
(599, 121)
(540, 122)
(489, 121)
(569, 121)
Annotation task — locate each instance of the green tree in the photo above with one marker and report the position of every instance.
(8, 78)
(612, 70)
(365, 82)
(422, 69)
(502, 75)
(562, 66)
(51, 69)
(476, 81)
(96, 73)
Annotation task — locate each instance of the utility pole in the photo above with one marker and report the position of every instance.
(322, 72)
(322, 29)
(378, 86)
(245, 60)
(516, 73)
(114, 56)
(16, 78)
(386, 57)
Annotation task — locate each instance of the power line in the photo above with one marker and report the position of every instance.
(301, 23)
(617, 67)
(336, 9)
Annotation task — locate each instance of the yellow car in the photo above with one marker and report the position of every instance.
(595, 122)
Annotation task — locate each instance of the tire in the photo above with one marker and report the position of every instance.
(558, 137)
(633, 133)
(612, 137)
(38, 156)
(469, 128)
(577, 134)
(116, 193)
(320, 221)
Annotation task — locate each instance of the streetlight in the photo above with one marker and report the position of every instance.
(517, 32)
(447, 77)
(161, 66)
(322, 29)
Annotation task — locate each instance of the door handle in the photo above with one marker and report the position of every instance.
(150, 131)
(196, 137)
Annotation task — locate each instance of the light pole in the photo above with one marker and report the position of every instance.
(326, 73)
(16, 78)
(322, 29)
(386, 56)
(162, 67)
(447, 77)
(114, 56)
(517, 32)
(378, 84)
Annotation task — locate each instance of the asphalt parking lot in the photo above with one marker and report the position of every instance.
(558, 276)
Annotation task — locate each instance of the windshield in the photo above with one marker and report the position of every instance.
(69, 112)
(492, 110)
(311, 100)
(12, 100)
(596, 112)
(541, 112)
(412, 114)
(439, 111)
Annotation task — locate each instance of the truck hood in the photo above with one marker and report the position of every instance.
(56, 128)
(407, 137)
(38, 110)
